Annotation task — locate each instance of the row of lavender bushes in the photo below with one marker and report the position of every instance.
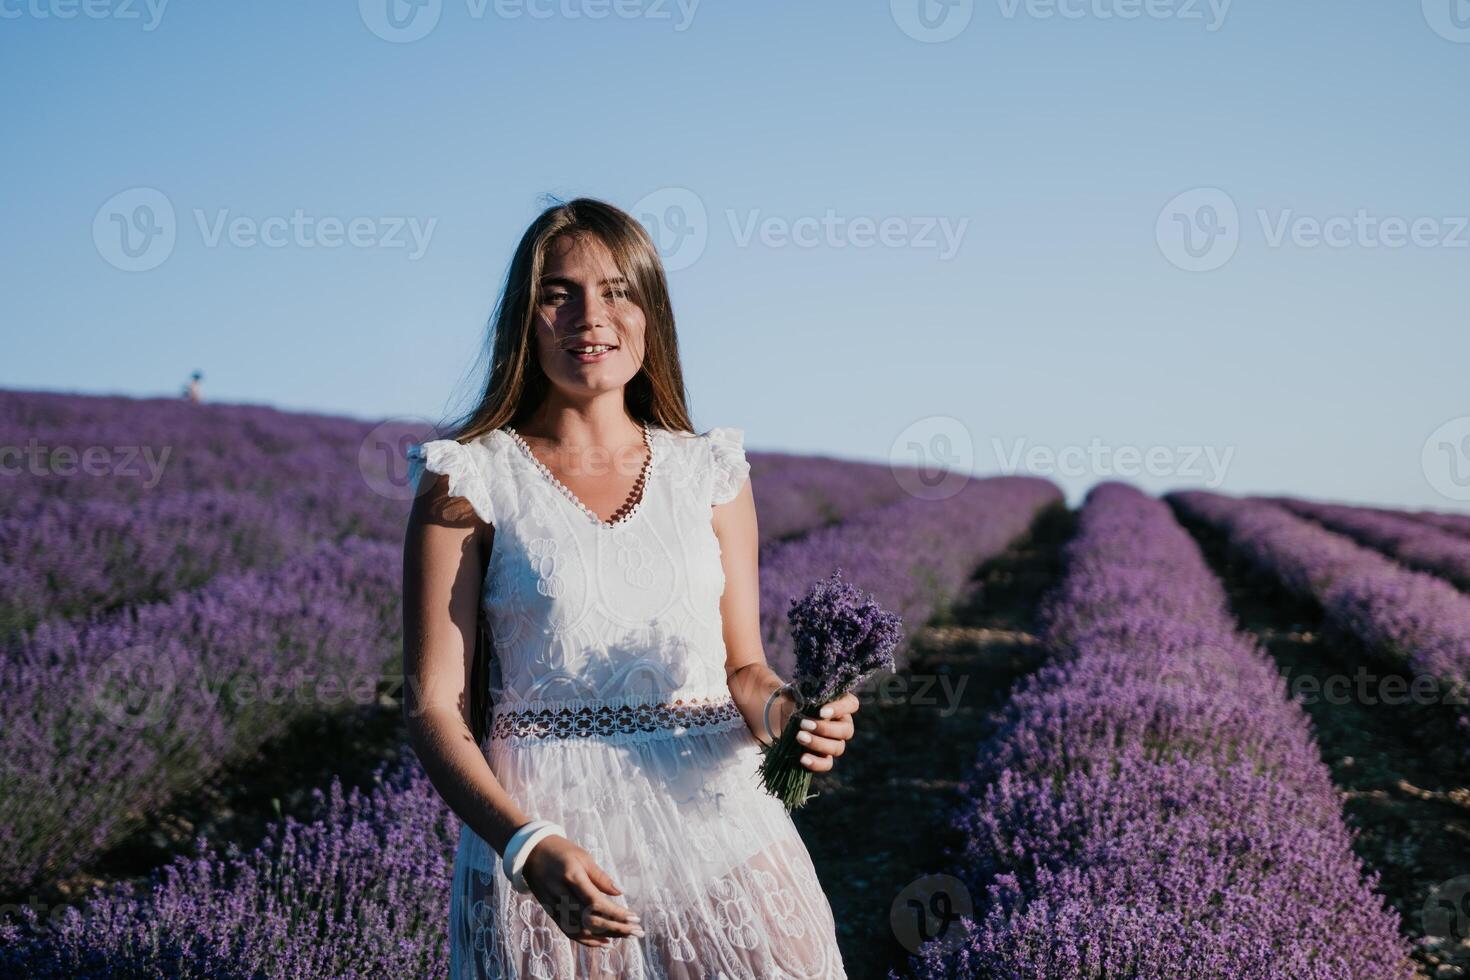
(1413, 620)
(1401, 536)
(79, 447)
(1152, 804)
(795, 494)
(356, 463)
(362, 890)
(358, 891)
(66, 559)
(1454, 523)
(108, 718)
(241, 585)
(913, 555)
(239, 486)
(239, 620)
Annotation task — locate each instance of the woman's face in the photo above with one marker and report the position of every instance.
(583, 301)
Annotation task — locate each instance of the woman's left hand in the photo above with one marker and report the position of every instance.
(824, 739)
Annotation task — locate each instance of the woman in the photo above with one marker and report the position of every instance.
(613, 554)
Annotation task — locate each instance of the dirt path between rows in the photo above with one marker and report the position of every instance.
(1404, 789)
(878, 824)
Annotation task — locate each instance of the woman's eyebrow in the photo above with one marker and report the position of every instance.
(564, 281)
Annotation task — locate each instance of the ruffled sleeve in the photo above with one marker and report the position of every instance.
(727, 445)
(462, 464)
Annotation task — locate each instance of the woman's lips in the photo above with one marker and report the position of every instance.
(592, 358)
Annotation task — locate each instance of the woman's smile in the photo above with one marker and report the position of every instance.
(592, 353)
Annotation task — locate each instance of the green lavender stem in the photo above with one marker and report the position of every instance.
(781, 770)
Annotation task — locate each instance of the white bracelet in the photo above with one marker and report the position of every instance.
(518, 849)
(513, 846)
(772, 700)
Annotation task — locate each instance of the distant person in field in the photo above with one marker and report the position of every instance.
(587, 686)
(193, 390)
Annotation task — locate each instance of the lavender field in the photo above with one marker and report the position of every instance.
(203, 770)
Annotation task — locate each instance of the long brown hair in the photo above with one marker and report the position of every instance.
(515, 385)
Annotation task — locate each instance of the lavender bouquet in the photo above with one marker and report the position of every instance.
(841, 638)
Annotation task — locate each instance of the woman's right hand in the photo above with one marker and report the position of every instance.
(574, 892)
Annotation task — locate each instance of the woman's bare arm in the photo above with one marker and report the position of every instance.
(441, 593)
(750, 677)
(747, 671)
(444, 553)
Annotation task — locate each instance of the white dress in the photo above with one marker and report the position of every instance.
(610, 714)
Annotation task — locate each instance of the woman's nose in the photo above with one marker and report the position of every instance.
(595, 312)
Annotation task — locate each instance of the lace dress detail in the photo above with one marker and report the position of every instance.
(652, 719)
(566, 491)
(610, 714)
(730, 465)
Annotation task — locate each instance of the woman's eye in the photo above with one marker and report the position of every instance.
(557, 298)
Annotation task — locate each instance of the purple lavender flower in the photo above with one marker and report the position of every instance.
(348, 893)
(914, 554)
(1406, 616)
(841, 636)
(1151, 803)
(1398, 535)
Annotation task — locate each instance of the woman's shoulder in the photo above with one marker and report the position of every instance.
(719, 440)
(715, 434)
(473, 452)
(725, 435)
(469, 464)
(727, 460)
(726, 444)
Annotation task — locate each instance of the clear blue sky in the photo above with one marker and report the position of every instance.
(1047, 137)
